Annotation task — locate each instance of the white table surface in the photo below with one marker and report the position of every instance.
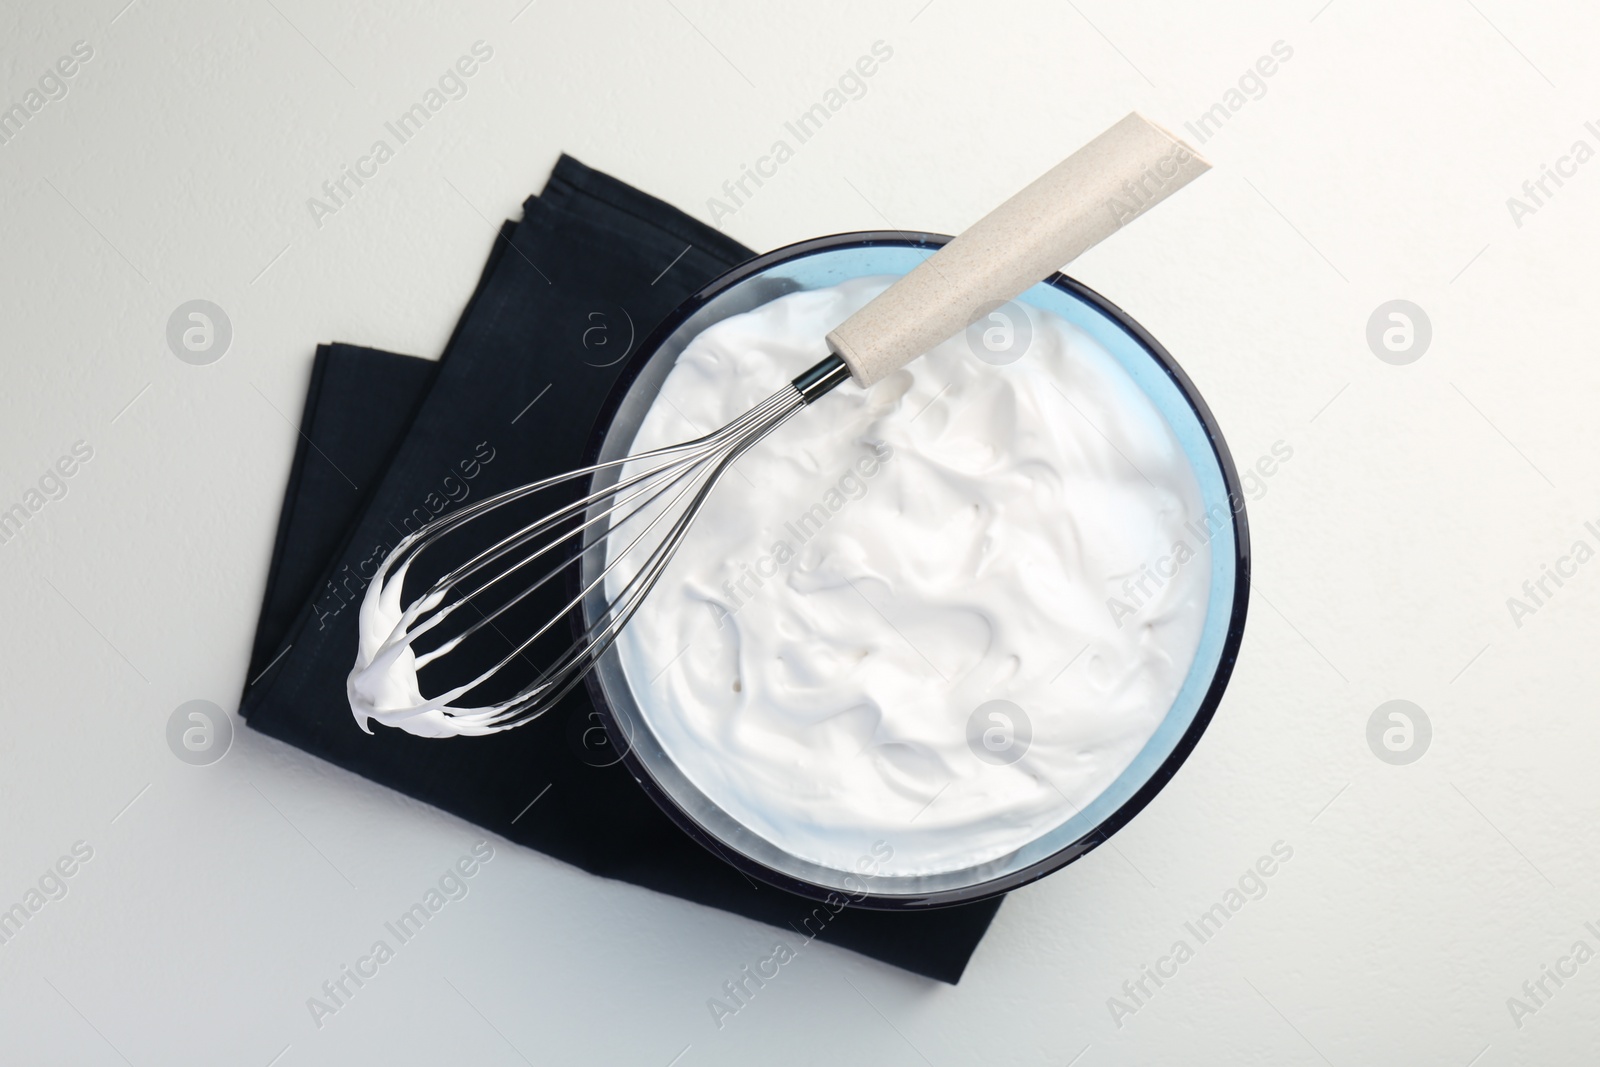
(1376, 166)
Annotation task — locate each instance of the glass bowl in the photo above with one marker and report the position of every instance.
(828, 261)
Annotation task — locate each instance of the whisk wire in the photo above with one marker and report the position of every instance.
(599, 636)
(667, 486)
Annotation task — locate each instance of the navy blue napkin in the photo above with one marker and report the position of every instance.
(388, 441)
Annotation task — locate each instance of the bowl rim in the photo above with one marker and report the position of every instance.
(1120, 816)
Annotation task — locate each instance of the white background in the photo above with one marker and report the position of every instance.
(1418, 499)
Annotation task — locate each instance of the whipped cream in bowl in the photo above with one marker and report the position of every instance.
(933, 639)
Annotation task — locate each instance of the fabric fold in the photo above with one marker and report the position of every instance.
(389, 441)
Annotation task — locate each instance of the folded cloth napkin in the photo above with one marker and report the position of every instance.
(388, 441)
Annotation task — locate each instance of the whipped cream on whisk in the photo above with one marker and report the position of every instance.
(943, 613)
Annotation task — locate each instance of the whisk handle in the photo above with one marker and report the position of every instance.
(1075, 205)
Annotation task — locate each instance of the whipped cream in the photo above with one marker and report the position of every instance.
(384, 686)
(908, 615)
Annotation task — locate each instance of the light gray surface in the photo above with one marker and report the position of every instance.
(1376, 166)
